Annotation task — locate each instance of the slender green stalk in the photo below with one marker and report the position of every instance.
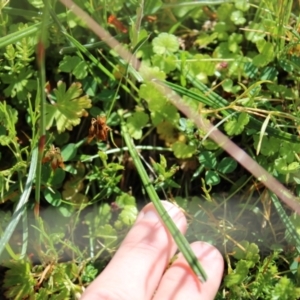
(122, 149)
(42, 69)
(16, 36)
(22, 12)
(213, 100)
(22, 202)
(180, 240)
(286, 221)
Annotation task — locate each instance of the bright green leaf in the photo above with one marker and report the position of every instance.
(165, 43)
(212, 177)
(250, 254)
(165, 63)
(69, 107)
(227, 165)
(136, 122)
(125, 199)
(238, 275)
(208, 159)
(237, 17)
(182, 150)
(128, 215)
(74, 65)
(54, 198)
(242, 5)
(285, 290)
(236, 126)
(18, 280)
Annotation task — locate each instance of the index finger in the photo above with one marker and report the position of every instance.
(137, 267)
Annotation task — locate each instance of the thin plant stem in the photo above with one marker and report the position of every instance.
(180, 240)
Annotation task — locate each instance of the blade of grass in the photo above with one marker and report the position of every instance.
(222, 140)
(262, 133)
(212, 99)
(180, 240)
(42, 70)
(286, 221)
(20, 208)
(16, 36)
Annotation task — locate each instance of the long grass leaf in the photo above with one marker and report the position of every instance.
(21, 207)
(178, 237)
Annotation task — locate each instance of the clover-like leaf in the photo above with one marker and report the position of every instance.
(69, 107)
(182, 150)
(128, 215)
(251, 253)
(269, 145)
(236, 126)
(167, 132)
(208, 159)
(166, 64)
(227, 165)
(242, 5)
(136, 122)
(165, 43)
(212, 177)
(74, 65)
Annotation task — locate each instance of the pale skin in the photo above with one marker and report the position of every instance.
(138, 269)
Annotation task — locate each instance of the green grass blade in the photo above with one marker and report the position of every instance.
(213, 100)
(180, 240)
(16, 36)
(21, 207)
(286, 221)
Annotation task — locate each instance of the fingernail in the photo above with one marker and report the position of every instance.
(151, 215)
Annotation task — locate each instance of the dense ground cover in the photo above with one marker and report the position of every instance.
(71, 183)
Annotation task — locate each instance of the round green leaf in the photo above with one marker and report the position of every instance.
(54, 198)
(227, 165)
(212, 177)
(165, 43)
(208, 159)
(69, 152)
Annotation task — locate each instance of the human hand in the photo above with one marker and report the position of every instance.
(138, 269)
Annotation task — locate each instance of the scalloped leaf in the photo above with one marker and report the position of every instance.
(182, 150)
(136, 122)
(19, 280)
(238, 275)
(165, 43)
(74, 65)
(236, 126)
(128, 215)
(69, 107)
(251, 253)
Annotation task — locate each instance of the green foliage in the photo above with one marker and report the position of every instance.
(68, 108)
(16, 73)
(236, 126)
(136, 122)
(182, 150)
(165, 44)
(19, 272)
(236, 64)
(74, 65)
(164, 175)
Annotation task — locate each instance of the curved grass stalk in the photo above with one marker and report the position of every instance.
(178, 237)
